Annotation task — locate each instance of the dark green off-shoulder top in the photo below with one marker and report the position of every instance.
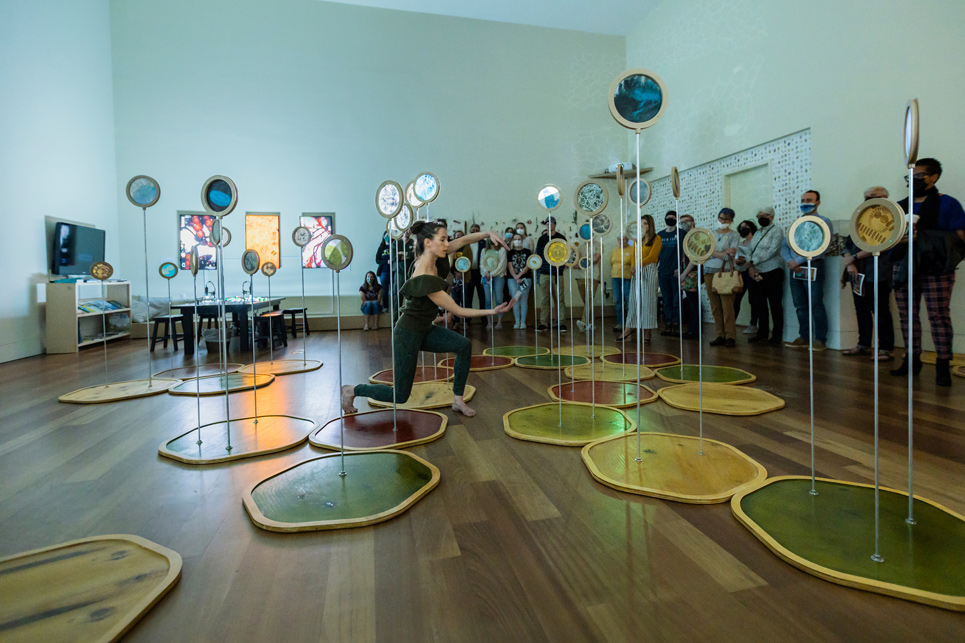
(418, 312)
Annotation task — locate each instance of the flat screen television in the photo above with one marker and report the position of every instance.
(76, 248)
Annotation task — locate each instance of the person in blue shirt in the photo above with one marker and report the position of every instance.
(797, 264)
(667, 274)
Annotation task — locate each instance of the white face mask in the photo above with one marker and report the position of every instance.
(517, 244)
(520, 231)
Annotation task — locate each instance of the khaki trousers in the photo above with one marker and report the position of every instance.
(725, 321)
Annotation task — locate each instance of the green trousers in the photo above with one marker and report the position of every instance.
(407, 347)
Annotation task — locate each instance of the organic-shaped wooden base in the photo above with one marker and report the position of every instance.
(93, 589)
(541, 423)
(831, 535)
(603, 372)
(422, 374)
(118, 391)
(619, 395)
(672, 467)
(190, 372)
(282, 367)
(310, 496)
(428, 395)
(584, 351)
(248, 439)
(653, 360)
(930, 357)
(516, 351)
(959, 370)
(682, 373)
(216, 384)
(481, 362)
(722, 399)
(549, 362)
(375, 430)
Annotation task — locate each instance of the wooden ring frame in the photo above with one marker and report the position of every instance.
(220, 235)
(621, 181)
(911, 133)
(194, 261)
(877, 225)
(426, 198)
(389, 211)
(599, 207)
(574, 257)
(142, 179)
(556, 253)
(534, 262)
(346, 247)
(623, 120)
(699, 245)
(250, 261)
(540, 197)
(206, 203)
(462, 264)
(675, 182)
(405, 216)
(269, 269)
(601, 224)
(168, 270)
(410, 196)
(636, 183)
(394, 231)
(301, 236)
(101, 270)
(804, 252)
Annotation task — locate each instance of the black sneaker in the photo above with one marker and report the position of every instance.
(562, 328)
(542, 327)
(720, 341)
(730, 343)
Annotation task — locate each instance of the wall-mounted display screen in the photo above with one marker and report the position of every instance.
(194, 231)
(263, 234)
(322, 226)
(76, 248)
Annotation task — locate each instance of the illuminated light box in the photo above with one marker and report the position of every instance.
(194, 231)
(263, 235)
(322, 226)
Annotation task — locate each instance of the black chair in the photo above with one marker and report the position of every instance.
(170, 329)
(272, 322)
(294, 312)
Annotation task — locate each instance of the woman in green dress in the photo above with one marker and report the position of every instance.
(425, 293)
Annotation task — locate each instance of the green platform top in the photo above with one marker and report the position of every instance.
(550, 361)
(580, 424)
(710, 373)
(516, 351)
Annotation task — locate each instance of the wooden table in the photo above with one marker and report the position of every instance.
(238, 308)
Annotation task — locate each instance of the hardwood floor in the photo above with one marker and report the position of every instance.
(518, 543)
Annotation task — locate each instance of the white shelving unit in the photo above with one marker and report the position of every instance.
(69, 328)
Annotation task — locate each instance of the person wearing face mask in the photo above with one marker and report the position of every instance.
(797, 264)
(520, 277)
(475, 282)
(939, 247)
(766, 270)
(746, 230)
(643, 285)
(666, 274)
(621, 270)
(370, 291)
(494, 282)
(382, 261)
(528, 242)
(544, 276)
(688, 282)
(722, 304)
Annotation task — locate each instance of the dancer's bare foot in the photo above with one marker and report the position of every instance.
(458, 404)
(348, 396)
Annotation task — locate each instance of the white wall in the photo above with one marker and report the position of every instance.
(741, 72)
(309, 106)
(56, 146)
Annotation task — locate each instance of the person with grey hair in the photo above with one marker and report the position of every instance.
(859, 273)
(766, 268)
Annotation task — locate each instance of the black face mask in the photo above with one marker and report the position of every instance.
(743, 232)
(764, 221)
(671, 221)
(919, 185)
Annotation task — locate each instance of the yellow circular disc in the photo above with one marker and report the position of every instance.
(699, 245)
(557, 252)
(877, 225)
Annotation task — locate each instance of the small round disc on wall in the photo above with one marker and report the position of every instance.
(549, 197)
(301, 236)
(337, 252)
(699, 245)
(637, 99)
(809, 236)
(269, 269)
(388, 199)
(411, 198)
(911, 133)
(591, 198)
(675, 182)
(143, 191)
(877, 225)
(101, 270)
(250, 261)
(557, 252)
(601, 224)
(426, 187)
(219, 195)
(640, 191)
(194, 261)
(168, 270)
(535, 262)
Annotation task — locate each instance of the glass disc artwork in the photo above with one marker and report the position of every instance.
(168, 270)
(584, 263)
(268, 269)
(490, 260)
(403, 220)
(250, 261)
(637, 99)
(143, 191)
(411, 198)
(640, 191)
(219, 195)
(337, 252)
(394, 230)
(388, 199)
(426, 187)
(877, 225)
(220, 235)
(301, 236)
(601, 224)
(621, 181)
(101, 270)
(699, 245)
(194, 262)
(675, 182)
(535, 262)
(585, 232)
(549, 197)
(809, 236)
(557, 252)
(911, 133)
(462, 264)
(591, 198)
(573, 258)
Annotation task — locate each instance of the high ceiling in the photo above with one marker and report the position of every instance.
(613, 17)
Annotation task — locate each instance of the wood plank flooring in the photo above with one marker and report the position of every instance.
(518, 543)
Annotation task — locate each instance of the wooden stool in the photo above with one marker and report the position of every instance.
(294, 312)
(272, 322)
(170, 329)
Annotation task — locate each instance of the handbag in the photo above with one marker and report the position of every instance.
(727, 282)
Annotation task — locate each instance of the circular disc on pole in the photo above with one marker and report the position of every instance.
(101, 270)
(220, 235)
(640, 191)
(193, 261)
(426, 187)
(219, 195)
(549, 197)
(301, 236)
(404, 219)
(490, 261)
(637, 99)
(269, 269)
(621, 181)
(556, 252)
(601, 224)
(911, 133)
(388, 199)
(591, 198)
(250, 261)
(337, 252)
(535, 262)
(143, 191)
(168, 270)
(462, 264)
(411, 198)
(675, 182)
(809, 236)
(574, 256)
(699, 245)
(584, 232)
(394, 231)
(877, 225)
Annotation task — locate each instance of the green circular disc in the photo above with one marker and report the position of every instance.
(550, 361)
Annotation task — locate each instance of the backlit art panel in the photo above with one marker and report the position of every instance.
(322, 226)
(263, 235)
(194, 230)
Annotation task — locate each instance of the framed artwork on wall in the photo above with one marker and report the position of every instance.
(322, 226)
(194, 232)
(263, 235)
